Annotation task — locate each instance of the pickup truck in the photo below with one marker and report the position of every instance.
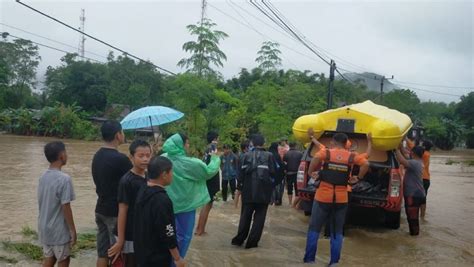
(380, 189)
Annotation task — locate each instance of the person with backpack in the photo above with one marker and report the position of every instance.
(331, 198)
(255, 184)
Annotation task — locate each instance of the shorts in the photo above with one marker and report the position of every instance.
(127, 246)
(105, 236)
(213, 186)
(414, 201)
(291, 183)
(60, 252)
(426, 185)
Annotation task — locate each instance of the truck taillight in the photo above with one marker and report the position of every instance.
(395, 183)
(300, 174)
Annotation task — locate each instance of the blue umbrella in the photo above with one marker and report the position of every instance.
(149, 117)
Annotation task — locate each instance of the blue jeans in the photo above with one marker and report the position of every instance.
(184, 230)
(321, 213)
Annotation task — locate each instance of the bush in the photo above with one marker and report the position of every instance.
(59, 121)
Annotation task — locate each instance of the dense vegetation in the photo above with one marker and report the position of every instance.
(263, 99)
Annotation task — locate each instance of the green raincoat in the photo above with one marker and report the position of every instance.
(188, 190)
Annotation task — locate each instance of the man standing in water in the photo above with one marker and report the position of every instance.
(213, 184)
(108, 166)
(255, 183)
(331, 198)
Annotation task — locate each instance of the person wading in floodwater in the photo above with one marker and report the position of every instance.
(331, 199)
(256, 186)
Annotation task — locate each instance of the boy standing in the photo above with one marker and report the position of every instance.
(154, 228)
(130, 184)
(57, 232)
(108, 166)
(229, 166)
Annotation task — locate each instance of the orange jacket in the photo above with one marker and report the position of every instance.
(326, 191)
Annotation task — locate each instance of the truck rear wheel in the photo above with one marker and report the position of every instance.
(392, 219)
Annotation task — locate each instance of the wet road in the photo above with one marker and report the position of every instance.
(446, 238)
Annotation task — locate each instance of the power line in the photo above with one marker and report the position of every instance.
(92, 37)
(49, 39)
(293, 38)
(428, 91)
(231, 4)
(439, 86)
(344, 77)
(50, 47)
(326, 52)
(264, 22)
(255, 4)
(295, 34)
(263, 35)
(294, 31)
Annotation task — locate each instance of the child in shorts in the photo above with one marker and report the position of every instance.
(57, 232)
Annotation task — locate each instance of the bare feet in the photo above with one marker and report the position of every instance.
(200, 233)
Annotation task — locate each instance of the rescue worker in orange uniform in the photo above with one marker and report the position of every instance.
(348, 146)
(331, 198)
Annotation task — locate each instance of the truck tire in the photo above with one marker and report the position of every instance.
(392, 219)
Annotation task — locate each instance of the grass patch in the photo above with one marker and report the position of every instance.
(469, 162)
(451, 162)
(31, 251)
(84, 242)
(27, 231)
(8, 259)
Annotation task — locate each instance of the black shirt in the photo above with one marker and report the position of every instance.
(154, 227)
(293, 160)
(108, 166)
(128, 189)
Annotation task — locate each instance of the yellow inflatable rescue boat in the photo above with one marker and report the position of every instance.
(388, 126)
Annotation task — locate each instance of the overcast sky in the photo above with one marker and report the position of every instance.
(423, 42)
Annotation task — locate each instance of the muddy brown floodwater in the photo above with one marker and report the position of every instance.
(446, 238)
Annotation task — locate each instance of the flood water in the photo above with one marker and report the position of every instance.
(446, 238)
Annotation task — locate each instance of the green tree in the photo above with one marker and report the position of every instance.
(269, 56)
(205, 51)
(465, 111)
(22, 58)
(133, 84)
(403, 100)
(19, 60)
(78, 82)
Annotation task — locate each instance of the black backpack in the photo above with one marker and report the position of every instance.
(257, 165)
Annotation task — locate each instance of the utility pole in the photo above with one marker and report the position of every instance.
(82, 41)
(332, 68)
(203, 10)
(381, 86)
(203, 14)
